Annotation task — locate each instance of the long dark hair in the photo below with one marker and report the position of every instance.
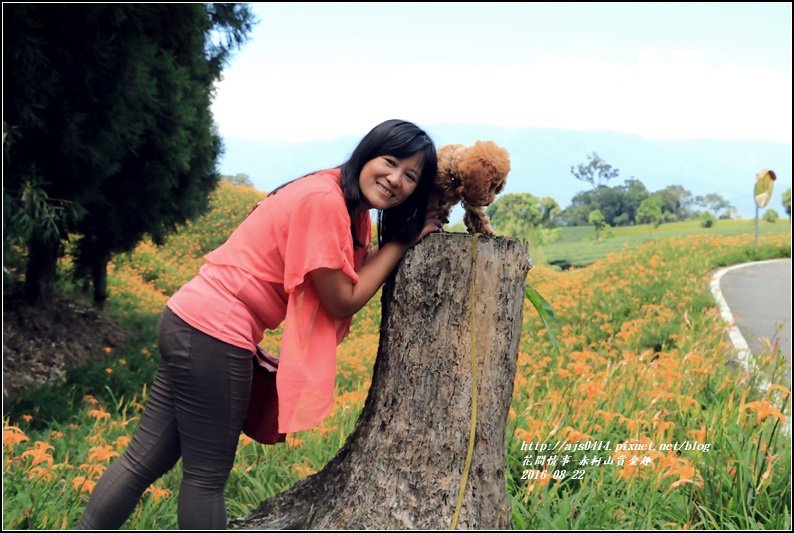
(400, 139)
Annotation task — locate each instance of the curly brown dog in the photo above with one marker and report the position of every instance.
(473, 175)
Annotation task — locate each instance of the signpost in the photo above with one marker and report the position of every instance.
(764, 181)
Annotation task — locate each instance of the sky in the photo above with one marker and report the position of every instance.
(661, 71)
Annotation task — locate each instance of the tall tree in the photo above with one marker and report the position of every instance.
(239, 179)
(650, 211)
(618, 204)
(549, 211)
(516, 214)
(108, 105)
(675, 202)
(596, 172)
(634, 193)
(714, 203)
(514, 209)
(596, 219)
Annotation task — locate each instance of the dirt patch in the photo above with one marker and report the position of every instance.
(39, 345)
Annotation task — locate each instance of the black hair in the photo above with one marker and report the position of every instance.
(401, 139)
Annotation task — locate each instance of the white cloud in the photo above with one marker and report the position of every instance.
(671, 95)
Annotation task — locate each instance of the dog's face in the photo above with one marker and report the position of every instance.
(482, 191)
(449, 187)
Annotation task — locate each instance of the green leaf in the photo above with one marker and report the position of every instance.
(545, 311)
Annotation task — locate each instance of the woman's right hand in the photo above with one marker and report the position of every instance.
(432, 223)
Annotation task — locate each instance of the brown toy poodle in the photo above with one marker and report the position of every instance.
(473, 175)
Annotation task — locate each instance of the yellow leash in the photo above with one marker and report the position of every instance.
(474, 386)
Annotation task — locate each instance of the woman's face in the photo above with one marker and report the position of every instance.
(387, 181)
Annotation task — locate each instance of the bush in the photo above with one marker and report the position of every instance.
(771, 216)
(707, 220)
(622, 219)
(548, 236)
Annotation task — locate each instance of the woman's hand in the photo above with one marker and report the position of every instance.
(432, 223)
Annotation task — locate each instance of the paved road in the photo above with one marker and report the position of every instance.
(759, 297)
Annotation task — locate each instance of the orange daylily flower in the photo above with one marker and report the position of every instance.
(93, 470)
(101, 453)
(99, 414)
(699, 434)
(81, 484)
(122, 442)
(12, 436)
(575, 436)
(40, 453)
(157, 493)
(39, 472)
(764, 409)
(688, 475)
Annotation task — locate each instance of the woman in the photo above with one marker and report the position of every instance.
(300, 257)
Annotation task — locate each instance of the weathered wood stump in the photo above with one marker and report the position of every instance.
(403, 465)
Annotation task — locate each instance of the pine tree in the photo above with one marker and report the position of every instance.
(107, 109)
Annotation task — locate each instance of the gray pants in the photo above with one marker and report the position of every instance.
(195, 410)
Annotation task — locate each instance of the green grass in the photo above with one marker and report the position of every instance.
(578, 246)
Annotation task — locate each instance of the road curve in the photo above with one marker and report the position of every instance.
(755, 299)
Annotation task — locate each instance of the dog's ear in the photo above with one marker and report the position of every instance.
(483, 168)
(446, 159)
(494, 156)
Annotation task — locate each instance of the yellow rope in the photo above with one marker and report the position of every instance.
(474, 387)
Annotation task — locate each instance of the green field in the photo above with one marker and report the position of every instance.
(577, 246)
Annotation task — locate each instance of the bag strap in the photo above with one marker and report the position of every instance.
(265, 360)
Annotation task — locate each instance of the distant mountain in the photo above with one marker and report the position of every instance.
(541, 160)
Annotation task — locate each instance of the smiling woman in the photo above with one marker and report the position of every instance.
(298, 258)
(386, 181)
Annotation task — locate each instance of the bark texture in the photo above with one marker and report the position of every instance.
(402, 466)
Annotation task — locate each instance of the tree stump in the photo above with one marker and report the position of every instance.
(403, 465)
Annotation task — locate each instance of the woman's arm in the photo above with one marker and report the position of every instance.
(341, 297)
(371, 253)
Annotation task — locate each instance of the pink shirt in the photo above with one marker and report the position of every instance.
(258, 278)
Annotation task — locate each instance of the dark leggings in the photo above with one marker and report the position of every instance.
(195, 410)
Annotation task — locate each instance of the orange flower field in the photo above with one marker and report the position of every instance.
(640, 421)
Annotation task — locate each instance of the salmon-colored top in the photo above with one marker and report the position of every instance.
(258, 278)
